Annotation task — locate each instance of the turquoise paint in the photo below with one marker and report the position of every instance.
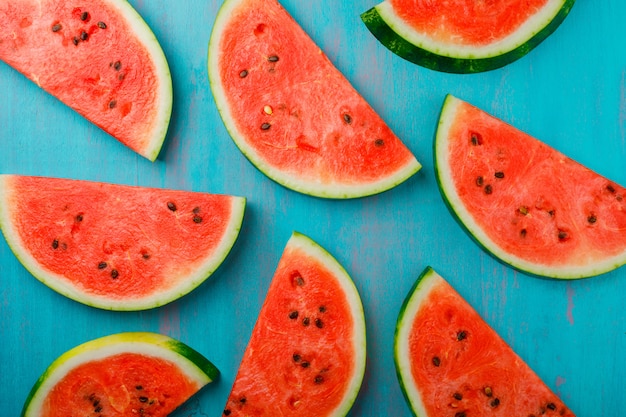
(569, 92)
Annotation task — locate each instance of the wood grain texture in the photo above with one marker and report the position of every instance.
(569, 92)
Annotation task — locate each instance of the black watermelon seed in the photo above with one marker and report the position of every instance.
(551, 213)
(495, 402)
(563, 235)
(322, 309)
(171, 206)
(56, 27)
(319, 323)
(592, 219)
(117, 65)
(102, 265)
(318, 379)
(114, 273)
(436, 361)
(243, 74)
(296, 357)
(347, 118)
(551, 406)
(196, 210)
(97, 409)
(293, 315)
(112, 103)
(55, 244)
(460, 414)
(84, 16)
(610, 188)
(479, 181)
(499, 174)
(476, 138)
(145, 255)
(488, 189)
(379, 142)
(197, 219)
(461, 335)
(457, 396)
(523, 232)
(84, 36)
(227, 412)
(306, 321)
(305, 364)
(143, 399)
(488, 392)
(79, 218)
(297, 279)
(138, 387)
(243, 400)
(102, 25)
(273, 58)
(75, 40)
(265, 126)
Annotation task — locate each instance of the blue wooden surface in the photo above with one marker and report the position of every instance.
(569, 92)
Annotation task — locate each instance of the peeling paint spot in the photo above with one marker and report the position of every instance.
(559, 381)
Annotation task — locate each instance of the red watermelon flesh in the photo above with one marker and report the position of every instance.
(525, 202)
(119, 384)
(306, 355)
(117, 246)
(292, 113)
(447, 21)
(98, 57)
(452, 363)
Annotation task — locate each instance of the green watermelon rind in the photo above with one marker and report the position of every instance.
(193, 280)
(192, 363)
(478, 235)
(411, 305)
(293, 182)
(401, 39)
(308, 245)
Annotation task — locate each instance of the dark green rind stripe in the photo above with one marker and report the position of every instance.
(428, 59)
(399, 323)
(197, 358)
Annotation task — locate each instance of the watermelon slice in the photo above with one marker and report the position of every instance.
(464, 36)
(527, 204)
(292, 113)
(306, 355)
(113, 246)
(451, 363)
(126, 374)
(98, 57)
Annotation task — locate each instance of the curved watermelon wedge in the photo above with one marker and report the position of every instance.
(451, 363)
(527, 204)
(306, 355)
(464, 36)
(292, 113)
(114, 246)
(126, 374)
(98, 57)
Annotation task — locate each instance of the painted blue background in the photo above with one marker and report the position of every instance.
(569, 92)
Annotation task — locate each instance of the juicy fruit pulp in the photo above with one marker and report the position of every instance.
(306, 355)
(115, 246)
(292, 113)
(451, 363)
(98, 57)
(526, 203)
(126, 374)
(464, 36)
